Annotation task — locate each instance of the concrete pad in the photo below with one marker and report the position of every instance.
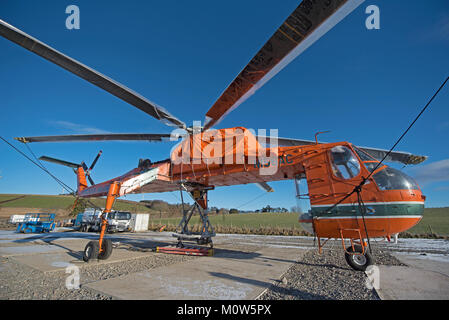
(426, 277)
(48, 262)
(9, 235)
(26, 250)
(229, 275)
(40, 246)
(429, 261)
(14, 237)
(407, 283)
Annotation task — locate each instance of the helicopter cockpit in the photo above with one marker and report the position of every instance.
(387, 178)
(345, 165)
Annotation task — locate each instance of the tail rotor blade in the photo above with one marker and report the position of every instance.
(87, 173)
(90, 180)
(95, 160)
(91, 167)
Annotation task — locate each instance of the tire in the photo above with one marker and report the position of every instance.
(359, 261)
(91, 251)
(107, 249)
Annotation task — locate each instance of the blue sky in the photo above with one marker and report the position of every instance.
(365, 86)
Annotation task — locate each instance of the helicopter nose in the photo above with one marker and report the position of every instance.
(420, 209)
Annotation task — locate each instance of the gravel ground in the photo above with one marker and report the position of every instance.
(5, 225)
(326, 277)
(312, 277)
(22, 282)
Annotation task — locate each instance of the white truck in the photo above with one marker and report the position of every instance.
(16, 218)
(117, 221)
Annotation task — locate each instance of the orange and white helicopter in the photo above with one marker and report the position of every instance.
(353, 195)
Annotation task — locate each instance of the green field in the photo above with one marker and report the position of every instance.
(249, 220)
(62, 202)
(435, 220)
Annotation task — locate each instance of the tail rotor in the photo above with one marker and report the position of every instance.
(88, 170)
(75, 166)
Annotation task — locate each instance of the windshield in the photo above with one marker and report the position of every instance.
(344, 163)
(371, 165)
(392, 179)
(362, 154)
(120, 215)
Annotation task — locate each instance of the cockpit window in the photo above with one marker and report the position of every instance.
(344, 163)
(363, 155)
(392, 179)
(372, 165)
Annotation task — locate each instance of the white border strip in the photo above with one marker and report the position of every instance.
(368, 203)
(376, 217)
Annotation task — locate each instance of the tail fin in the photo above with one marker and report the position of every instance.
(78, 168)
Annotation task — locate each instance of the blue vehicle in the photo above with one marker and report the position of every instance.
(78, 221)
(37, 223)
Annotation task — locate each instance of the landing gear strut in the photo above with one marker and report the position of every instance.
(204, 237)
(102, 248)
(356, 255)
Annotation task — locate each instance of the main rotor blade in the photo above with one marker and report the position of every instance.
(103, 137)
(120, 91)
(394, 156)
(285, 142)
(309, 21)
(265, 186)
(378, 154)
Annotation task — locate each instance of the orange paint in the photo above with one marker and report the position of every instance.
(312, 161)
(112, 195)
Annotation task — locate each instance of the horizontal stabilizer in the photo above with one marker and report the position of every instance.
(61, 162)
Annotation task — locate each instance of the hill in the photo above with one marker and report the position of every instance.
(62, 205)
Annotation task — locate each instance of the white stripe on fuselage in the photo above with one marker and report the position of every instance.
(369, 217)
(367, 203)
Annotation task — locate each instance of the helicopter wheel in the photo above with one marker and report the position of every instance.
(356, 259)
(91, 251)
(106, 249)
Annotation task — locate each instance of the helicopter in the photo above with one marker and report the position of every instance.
(353, 195)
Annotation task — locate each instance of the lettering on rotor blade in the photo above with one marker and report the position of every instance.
(73, 20)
